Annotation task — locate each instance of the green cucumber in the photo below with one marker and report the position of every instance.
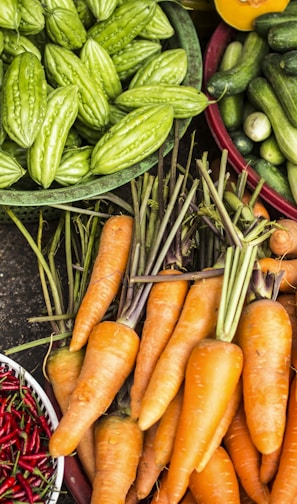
(262, 95)
(288, 62)
(264, 22)
(235, 80)
(283, 37)
(292, 178)
(270, 151)
(242, 142)
(275, 177)
(285, 86)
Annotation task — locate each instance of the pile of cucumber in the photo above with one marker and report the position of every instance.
(256, 88)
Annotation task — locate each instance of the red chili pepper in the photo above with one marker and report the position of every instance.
(7, 484)
(26, 487)
(45, 425)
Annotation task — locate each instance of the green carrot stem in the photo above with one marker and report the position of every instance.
(38, 342)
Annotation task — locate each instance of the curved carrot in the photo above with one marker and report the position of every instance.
(167, 425)
(283, 241)
(118, 446)
(264, 334)
(223, 426)
(106, 277)
(213, 371)
(246, 458)
(148, 471)
(284, 487)
(287, 266)
(110, 357)
(269, 465)
(217, 482)
(63, 368)
(197, 320)
(289, 303)
(163, 309)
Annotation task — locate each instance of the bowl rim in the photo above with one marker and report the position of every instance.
(214, 50)
(187, 38)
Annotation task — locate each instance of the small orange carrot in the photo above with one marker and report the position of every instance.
(246, 458)
(106, 277)
(118, 446)
(287, 266)
(213, 371)
(63, 368)
(217, 482)
(148, 471)
(264, 334)
(269, 465)
(163, 309)
(166, 431)
(110, 357)
(283, 241)
(223, 426)
(197, 320)
(284, 486)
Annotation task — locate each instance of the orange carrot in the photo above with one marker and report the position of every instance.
(165, 435)
(259, 209)
(131, 497)
(223, 426)
(188, 498)
(284, 487)
(197, 320)
(148, 471)
(264, 334)
(63, 368)
(283, 241)
(213, 371)
(269, 465)
(110, 357)
(217, 482)
(246, 458)
(289, 303)
(106, 277)
(163, 309)
(160, 495)
(287, 266)
(118, 446)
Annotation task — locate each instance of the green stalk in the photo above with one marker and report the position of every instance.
(38, 342)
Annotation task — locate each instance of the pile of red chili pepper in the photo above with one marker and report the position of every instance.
(26, 468)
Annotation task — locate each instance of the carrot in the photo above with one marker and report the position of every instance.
(106, 277)
(188, 498)
(217, 482)
(213, 371)
(287, 266)
(264, 334)
(110, 357)
(269, 465)
(223, 426)
(131, 497)
(148, 471)
(284, 487)
(63, 368)
(283, 241)
(246, 458)
(165, 435)
(160, 495)
(289, 303)
(259, 209)
(197, 320)
(118, 446)
(163, 309)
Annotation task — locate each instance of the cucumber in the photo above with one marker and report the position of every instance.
(262, 95)
(288, 62)
(283, 37)
(292, 179)
(257, 126)
(291, 8)
(264, 22)
(270, 151)
(285, 86)
(275, 177)
(235, 80)
(242, 142)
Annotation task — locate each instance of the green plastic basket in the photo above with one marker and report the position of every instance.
(26, 203)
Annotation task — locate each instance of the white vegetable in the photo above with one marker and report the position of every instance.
(257, 126)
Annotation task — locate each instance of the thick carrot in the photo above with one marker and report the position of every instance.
(284, 487)
(246, 458)
(166, 431)
(264, 334)
(287, 266)
(148, 470)
(106, 277)
(213, 371)
(63, 368)
(217, 482)
(163, 309)
(197, 320)
(283, 241)
(269, 465)
(110, 357)
(289, 303)
(223, 426)
(118, 446)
